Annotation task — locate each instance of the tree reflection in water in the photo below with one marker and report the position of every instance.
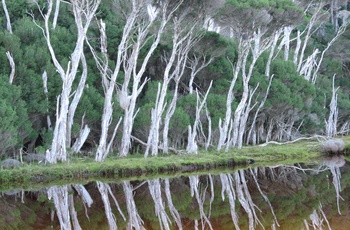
(285, 197)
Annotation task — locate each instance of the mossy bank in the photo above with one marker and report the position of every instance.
(136, 166)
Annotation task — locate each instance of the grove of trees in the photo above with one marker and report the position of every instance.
(159, 76)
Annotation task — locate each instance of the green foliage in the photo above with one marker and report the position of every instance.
(15, 127)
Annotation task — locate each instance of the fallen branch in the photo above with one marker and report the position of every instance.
(293, 141)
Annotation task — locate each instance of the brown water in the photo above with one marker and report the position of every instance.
(279, 197)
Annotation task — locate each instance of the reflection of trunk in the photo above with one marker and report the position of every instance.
(227, 186)
(194, 183)
(334, 164)
(73, 213)
(156, 193)
(245, 198)
(105, 190)
(174, 213)
(60, 199)
(264, 196)
(135, 220)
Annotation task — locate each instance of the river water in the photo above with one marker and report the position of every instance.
(299, 196)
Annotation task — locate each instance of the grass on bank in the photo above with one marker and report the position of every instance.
(82, 169)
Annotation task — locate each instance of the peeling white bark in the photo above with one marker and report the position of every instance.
(59, 194)
(135, 220)
(192, 131)
(7, 15)
(194, 184)
(331, 123)
(156, 193)
(84, 12)
(13, 66)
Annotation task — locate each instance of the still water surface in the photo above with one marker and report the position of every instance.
(299, 196)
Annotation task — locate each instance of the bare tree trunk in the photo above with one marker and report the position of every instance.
(272, 51)
(83, 14)
(74, 103)
(257, 50)
(7, 15)
(286, 39)
(310, 29)
(192, 131)
(340, 31)
(297, 48)
(196, 67)
(135, 75)
(244, 118)
(13, 66)
(224, 128)
(182, 42)
(46, 91)
(331, 124)
(57, 10)
(252, 128)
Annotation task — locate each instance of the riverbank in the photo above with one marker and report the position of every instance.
(136, 166)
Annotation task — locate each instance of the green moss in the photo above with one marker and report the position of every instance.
(81, 170)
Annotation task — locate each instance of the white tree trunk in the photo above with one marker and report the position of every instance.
(258, 48)
(286, 39)
(7, 15)
(192, 131)
(317, 13)
(57, 10)
(182, 42)
(272, 51)
(13, 66)
(224, 127)
(46, 91)
(331, 124)
(135, 75)
(86, 10)
(340, 31)
(252, 128)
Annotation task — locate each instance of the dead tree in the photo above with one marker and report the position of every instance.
(182, 42)
(7, 15)
(84, 12)
(331, 123)
(13, 66)
(192, 130)
(224, 127)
